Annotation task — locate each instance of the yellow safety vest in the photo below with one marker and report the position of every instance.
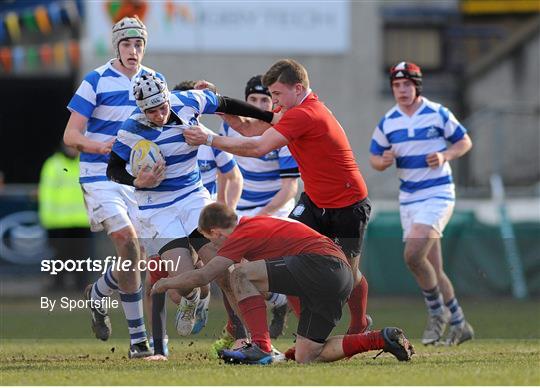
(60, 198)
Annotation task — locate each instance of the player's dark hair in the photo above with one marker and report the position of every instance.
(217, 215)
(288, 72)
(185, 85)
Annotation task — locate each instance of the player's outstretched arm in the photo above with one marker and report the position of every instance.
(245, 118)
(203, 84)
(189, 280)
(245, 146)
(246, 126)
(250, 127)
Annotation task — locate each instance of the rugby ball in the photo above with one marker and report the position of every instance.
(144, 154)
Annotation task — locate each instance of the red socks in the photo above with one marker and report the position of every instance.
(294, 304)
(353, 344)
(290, 354)
(359, 343)
(253, 310)
(357, 306)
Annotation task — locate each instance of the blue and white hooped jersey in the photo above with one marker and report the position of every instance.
(105, 98)
(182, 176)
(262, 176)
(412, 139)
(211, 159)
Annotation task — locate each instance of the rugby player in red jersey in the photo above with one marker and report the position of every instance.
(288, 257)
(334, 201)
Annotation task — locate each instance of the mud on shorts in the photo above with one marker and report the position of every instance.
(162, 229)
(110, 206)
(323, 285)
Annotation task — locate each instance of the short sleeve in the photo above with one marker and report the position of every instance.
(379, 140)
(453, 130)
(84, 99)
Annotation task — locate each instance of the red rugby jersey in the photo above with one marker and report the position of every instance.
(325, 159)
(267, 238)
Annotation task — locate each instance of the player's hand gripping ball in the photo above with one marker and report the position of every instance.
(144, 155)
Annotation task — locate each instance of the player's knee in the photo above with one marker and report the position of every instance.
(412, 257)
(125, 237)
(223, 281)
(238, 275)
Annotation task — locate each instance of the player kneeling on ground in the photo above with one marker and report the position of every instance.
(168, 188)
(288, 257)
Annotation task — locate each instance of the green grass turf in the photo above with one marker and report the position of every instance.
(39, 348)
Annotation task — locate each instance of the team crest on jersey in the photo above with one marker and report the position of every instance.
(272, 155)
(432, 132)
(204, 166)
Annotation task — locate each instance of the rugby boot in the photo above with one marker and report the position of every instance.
(101, 323)
(459, 334)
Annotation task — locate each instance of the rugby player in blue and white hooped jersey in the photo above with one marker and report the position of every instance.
(170, 195)
(271, 181)
(219, 171)
(220, 175)
(100, 105)
(414, 134)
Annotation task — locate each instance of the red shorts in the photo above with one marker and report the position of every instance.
(156, 274)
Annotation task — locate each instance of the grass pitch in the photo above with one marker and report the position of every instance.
(39, 348)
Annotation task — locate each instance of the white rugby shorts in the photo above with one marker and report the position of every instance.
(157, 227)
(435, 212)
(110, 201)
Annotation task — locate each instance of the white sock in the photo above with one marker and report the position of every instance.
(104, 286)
(457, 317)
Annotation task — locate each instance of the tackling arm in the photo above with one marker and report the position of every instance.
(249, 146)
(189, 280)
(246, 126)
(236, 107)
